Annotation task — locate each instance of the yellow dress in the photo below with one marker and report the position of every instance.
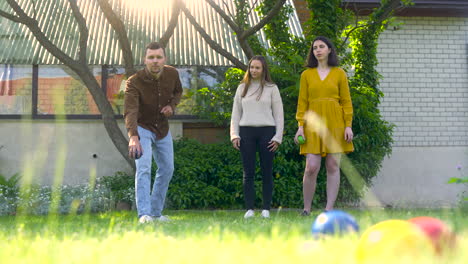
(324, 108)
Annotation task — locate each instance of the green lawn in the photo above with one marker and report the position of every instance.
(199, 237)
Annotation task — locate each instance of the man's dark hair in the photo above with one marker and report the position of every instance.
(155, 46)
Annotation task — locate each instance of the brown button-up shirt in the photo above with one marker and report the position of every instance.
(145, 96)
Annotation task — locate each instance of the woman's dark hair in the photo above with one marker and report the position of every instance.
(266, 78)
(332, 57)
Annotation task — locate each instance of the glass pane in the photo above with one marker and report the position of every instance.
(195, 78)
(185, 105)
(15, 89)
(192, 79)
(62, 92)
(115, 88)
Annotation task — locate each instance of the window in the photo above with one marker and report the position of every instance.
(43, 91)
(60, 91)
(15, 89)
(192, 78)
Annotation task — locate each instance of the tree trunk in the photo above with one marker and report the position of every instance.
(107, 113)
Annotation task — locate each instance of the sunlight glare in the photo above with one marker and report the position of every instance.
(147, 4)
(151, 4)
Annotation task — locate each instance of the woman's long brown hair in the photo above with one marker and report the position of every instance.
(266, 78)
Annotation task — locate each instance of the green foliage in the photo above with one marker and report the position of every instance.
(328, 19)
(460, 180)
(242, 17)
(9, 191)
(37, 200)
(206, 176)
(210, 176)
(215, 104)
(120, 185)
(11, 182)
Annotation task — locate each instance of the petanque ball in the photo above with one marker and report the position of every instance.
(138, 155)
(393, 240)
(301, 140)
(437, 231)
(334, 222)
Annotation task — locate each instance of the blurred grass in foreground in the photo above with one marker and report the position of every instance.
(199, 237)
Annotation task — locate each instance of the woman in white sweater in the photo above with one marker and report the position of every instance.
(257, 123)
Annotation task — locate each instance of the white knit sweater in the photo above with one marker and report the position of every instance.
(267, 111)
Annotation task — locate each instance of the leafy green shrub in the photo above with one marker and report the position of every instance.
(206, 176)
(210, 176)
(35, 199)
(121, 187)
(215, 104)
(10, 185)
(9, 190)
(461, 180)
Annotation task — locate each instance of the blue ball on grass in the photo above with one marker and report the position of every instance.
(334, 222)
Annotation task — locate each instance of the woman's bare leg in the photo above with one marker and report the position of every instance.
(332, 164)
(310, 179)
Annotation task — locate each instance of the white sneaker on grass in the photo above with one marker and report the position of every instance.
(249, 214)
(145, 219)
(266, 214)
(163, 218)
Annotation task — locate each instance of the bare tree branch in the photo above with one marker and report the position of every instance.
(228, 10)
(172, 23)
(273, 12)
(246, 47)
(349, 33)
(252, 8)
(84, 33)
(225, 16)
(32, 24)
(242, 34)
(387, 10)
(236, 26)
(10, 16)
(119, 28)
(211, 42)
(34, 9)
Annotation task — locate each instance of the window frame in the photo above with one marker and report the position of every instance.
(34, 106)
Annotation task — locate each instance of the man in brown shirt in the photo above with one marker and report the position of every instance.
(151, 96)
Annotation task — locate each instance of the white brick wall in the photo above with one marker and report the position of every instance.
(424, 65)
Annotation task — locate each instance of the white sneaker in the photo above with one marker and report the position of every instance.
(145, 219)
(249, 214)
(266, 214)
(163, 218)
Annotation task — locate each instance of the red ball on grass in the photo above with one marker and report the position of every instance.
(439, 233)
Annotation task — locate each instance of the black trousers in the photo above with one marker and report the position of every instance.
(255, 139)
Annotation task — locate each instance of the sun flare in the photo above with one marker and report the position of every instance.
(151, 4)
(147, 4)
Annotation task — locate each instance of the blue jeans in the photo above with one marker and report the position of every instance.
(151, 202)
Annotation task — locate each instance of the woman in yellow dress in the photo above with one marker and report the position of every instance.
(324, 115)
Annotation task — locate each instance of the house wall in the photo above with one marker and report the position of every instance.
(44, 150)
(424, 64)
